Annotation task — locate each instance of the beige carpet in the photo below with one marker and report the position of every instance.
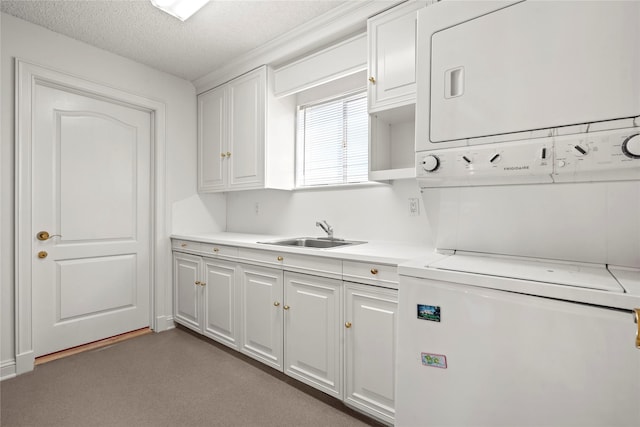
(174, 378)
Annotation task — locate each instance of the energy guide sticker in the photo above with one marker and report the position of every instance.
(429, 312)
(434, 360)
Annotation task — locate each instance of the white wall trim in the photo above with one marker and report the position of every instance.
(338, 23)
(27, 76)
(7, 370)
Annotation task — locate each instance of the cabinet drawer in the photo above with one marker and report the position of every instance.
(186, 245)
(371, 273)
(214, 251)
(256, 256)
(328, 267)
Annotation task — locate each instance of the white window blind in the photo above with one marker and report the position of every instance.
(332, 142)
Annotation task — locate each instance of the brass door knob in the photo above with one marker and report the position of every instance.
(374, 271)
(286, 307)
(276, 303)
(372, 80)
(42, 254)
(44, 235)
(347, 325)
(280, 258)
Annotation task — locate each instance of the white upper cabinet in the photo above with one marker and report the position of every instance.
(392, 56)
(212, 140)
(245, 136)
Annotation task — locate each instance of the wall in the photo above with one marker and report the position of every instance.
(362, 213)
(185, 210)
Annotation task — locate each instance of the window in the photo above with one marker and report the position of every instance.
(332, 142)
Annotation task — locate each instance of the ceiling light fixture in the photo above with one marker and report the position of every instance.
(181, 9)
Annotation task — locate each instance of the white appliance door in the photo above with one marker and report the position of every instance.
(535, 65)
(504, 359)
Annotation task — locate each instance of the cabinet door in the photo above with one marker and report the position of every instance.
(247, 130)
(212, 140)
(261, 314)
(371, 316)
(313, 330)
(392, 56)
(187, 304)
(220, 302)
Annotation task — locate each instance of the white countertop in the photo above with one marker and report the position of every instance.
(392, 253)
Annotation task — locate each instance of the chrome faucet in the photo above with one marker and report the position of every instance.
(326, 227)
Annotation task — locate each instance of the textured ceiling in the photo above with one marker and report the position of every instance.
(219, 32)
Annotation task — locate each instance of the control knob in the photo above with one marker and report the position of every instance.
(430, 163)
(631, 146)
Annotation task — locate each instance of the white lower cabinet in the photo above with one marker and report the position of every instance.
(336, 336)
(205, 297)
(371, 316)
(261, 303)
(313, 331)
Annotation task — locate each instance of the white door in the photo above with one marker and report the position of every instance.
(247, 130)
(313, 331)
(220, 302)
(186, 297)
(212, 140)
(261, 314)
(91, 186)
(371, 317)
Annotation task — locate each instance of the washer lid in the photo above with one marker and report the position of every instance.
(589, 276)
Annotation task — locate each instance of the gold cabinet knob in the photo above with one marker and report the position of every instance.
(347, 325)
(198, 283)
(280, 258)
(203, 284)
(184, 245)
(276, 303)
(372, 80)
(42, 254)
(374, 271)
(286, 307)
(216, 250)
(223, 155)
(228, 154)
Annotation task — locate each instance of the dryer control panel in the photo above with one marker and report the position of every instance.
(596, 156)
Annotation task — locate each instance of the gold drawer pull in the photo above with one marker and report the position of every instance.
(347, 325)
(184, 245)
(42, 254)
(216, 250)
(280, 258)
(276, 303)
(372, 80)
(637, 319)
(374, 271)
(286, 307)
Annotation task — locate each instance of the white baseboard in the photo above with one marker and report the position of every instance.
(164, 323)
(25, 362)
(7, 369)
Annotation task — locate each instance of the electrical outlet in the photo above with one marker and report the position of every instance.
(414, 207)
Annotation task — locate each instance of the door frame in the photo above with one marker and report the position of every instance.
(27, 76)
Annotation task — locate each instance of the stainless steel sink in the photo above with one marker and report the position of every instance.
(313, 242)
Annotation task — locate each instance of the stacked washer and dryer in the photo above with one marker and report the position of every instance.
(528, 157)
